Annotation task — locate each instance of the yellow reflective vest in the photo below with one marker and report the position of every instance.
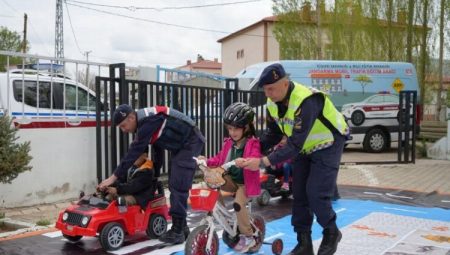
(320, 136)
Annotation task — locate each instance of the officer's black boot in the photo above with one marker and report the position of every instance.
(304, 246)
(186, 230)
(331, 238)
(176, 234)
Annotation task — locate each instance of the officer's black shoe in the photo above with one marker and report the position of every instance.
(331, 238)
(304, 246)
(186, 231)
(176, 234)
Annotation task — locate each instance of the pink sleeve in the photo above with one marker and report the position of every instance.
(219, 158)
(254, 149)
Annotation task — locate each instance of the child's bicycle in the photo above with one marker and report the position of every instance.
(203, 239)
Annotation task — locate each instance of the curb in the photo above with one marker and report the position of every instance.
(21, 227)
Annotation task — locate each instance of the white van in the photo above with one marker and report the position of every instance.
(32, 97)
(366, 93)
(57, 115)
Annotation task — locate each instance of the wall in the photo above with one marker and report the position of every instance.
(252, 42)
(62, 167)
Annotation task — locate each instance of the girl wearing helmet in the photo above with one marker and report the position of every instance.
(241, 144)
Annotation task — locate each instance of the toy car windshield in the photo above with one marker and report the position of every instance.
(94, 201)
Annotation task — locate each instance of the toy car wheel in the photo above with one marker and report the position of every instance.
(72, 238)
(197, 240)
(112, 236)
(375, 141)
(263, 198)
(277, 246)
(357, 117)
(157, 226)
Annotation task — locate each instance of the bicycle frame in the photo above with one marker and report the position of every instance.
(227, 220)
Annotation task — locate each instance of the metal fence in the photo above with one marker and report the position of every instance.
(205, 105)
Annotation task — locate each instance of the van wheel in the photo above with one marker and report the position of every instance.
(357, 117)
(375, 141)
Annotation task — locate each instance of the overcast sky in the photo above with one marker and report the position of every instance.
(168, 35)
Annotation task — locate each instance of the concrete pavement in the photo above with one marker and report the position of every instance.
(425, 176)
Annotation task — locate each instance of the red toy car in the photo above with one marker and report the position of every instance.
(93, 215)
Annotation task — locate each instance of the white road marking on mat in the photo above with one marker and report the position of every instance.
(373, 193)
(53, 234)
(391, 195)
(398, 241)
(273, 237)
(404, 210)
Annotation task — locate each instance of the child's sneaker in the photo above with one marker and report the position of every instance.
(285, 186)
(245, 243)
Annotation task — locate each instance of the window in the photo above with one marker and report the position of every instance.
(392, 99)
(85, 102)
(240, 54)
(31, 93)
(375, 99)
(71, 99)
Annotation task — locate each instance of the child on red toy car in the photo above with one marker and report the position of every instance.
(138, 186)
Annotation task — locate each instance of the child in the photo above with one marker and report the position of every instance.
(242, 143)
(137, 188)
(285, 166)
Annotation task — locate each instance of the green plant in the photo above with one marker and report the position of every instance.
(14, 156)
(43, 222)
(422, 148)
(2, 215)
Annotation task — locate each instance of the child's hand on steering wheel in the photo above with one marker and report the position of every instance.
(111, 190)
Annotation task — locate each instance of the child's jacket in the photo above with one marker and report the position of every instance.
(139, 185)
(252, 149)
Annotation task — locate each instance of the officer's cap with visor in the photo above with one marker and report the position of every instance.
(271, 74)
(121, 113)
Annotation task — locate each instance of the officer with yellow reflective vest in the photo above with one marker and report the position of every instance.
(316, 134)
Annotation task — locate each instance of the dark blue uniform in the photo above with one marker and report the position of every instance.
(314, 175)
(183, 140)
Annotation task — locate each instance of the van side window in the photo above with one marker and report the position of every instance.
(71, 99)
(31, 94)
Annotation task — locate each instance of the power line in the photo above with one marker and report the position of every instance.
(159, 22)
(134, 8)
(73, 31)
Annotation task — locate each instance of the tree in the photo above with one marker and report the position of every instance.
(14, 157)
(10, 41)
(364, 80)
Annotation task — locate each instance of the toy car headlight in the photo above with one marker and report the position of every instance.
(85, 221)
(65, 216)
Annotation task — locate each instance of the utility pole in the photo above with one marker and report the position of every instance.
(319, 37)
(24, 42)
(87, 67)
(59, 34)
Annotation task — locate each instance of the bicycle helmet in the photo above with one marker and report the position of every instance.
(238, 115)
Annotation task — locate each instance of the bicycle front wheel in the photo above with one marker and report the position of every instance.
(196, 244)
